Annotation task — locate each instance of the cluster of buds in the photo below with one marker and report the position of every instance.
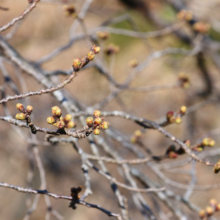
(173, 153)
(136, 137)
(206, 142)
(103, 35)
(213, 207)
(58, 121)
(79, 64)
(111, 49)
(216, 168)
(176, 117)
(133, 63)
(97, 123)
(201, 27)
(70, 10)
(185, 15)
(24, 112)
(183, 80)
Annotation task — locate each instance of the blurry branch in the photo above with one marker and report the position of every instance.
(3, 8)
(11, 23)
(110, 160)
(40, 92)
(55, 196)
(152, 125)
(80, 133)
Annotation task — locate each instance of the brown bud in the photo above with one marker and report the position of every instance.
(89, 121)
(71, 124)
(96, 131)
(98, 121)
(133, 63)
(217, 208)
(96, 113)
(184, 80)
(169, 115)
(102, 35)
(201, 27)
(70, 10)
(105, 125)
(185, 15)
(20, 116)
(20, 107)
(111, 49)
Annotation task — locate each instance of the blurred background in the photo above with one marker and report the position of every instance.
(50, 26)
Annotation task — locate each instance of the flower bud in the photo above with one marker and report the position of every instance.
(105, 125)
(202, 213)
(20, 107)
(172, 155)
(169, 115)
(76, 64)
(58, 112)
(217, 208)
(201, 27)
(71, 124)
(213, 202)
(184, 80)
(53, 109)
(112, 49)
(185, 15)
(138, 133)
(89, 121)
(133, 63)
(216, 168)
(50, 120)
(29, 109)
(96, 131)
(133, 139)
(211, 143)
(208, 142)
(68, 117)
(178, 120)
(209, 211)
(60, 124)
(70, 10)
(91, 55)
(20, 116)
(96, 113)
(187, 142)
(98, 121)
(96, 50)
(102, 35)
(183, 109)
